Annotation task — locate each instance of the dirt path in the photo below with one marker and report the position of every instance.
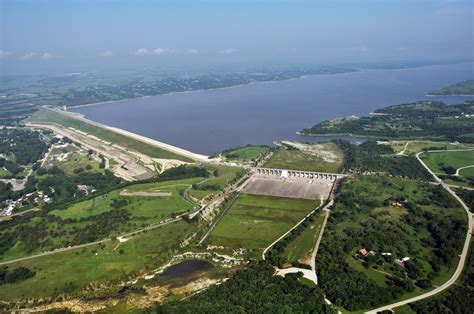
(320, 236)
(459, 169)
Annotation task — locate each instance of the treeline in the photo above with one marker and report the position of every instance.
(254, 290)
(8, 276)
(457, 299)
(468, 197)
(370, 157)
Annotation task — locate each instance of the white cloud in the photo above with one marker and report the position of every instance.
(28, 56)
(4, 54)
(106, 54)
(142, 52)
(228, 51)
(192, 51)
(363, 49)
(163, 51)
(47, 56)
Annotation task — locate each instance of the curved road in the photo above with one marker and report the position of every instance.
(463, 255)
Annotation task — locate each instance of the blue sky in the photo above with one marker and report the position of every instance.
(34, 31)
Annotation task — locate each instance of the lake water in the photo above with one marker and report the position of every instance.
(210, 121)
(186, 268)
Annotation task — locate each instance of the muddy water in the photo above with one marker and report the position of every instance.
(186, 268)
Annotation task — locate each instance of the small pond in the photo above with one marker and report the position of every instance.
(186, 268)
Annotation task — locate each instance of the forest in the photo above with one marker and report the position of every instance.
(254, 290)
(373, 158)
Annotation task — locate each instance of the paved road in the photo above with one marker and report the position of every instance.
(91, 243)
(462, 259)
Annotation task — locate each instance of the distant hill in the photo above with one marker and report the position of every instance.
(462, 88)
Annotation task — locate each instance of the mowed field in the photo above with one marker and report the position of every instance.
(414, 147)
(436, 160)
(215, 183)
(255, 221)
(245, 153)
(305, 161)
(150, 209)
(109, 263)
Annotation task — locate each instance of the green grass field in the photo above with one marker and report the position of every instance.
(254, 222)
(245, 153)
(435, 161)
(45, 115)
(149, 209)
(143, 210)
(415, 147)
(300, 249)
(77, 161)
(71, 271)
(214, 184)
(298, 160)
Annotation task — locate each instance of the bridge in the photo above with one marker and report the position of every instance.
(298, 174)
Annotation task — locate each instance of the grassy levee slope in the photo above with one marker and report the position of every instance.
(108, 264)
(254, 222)
(49, 116)
(426, 226)
(294, 159)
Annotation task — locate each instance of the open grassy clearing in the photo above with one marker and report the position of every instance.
(254, 222)
(77, 161)
(246, 153)
(294, 159)
(222, 176)
(48, 116)
(148, 208)
(71, 271)
(300, 249)
(437, 160)
(415, 147)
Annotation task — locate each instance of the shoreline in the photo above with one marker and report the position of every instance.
(212, 89)
(138, 137)
(355, 70)
(453, 95)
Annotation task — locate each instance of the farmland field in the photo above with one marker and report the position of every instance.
(254, 222)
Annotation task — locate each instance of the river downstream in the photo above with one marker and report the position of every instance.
(209, 121)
